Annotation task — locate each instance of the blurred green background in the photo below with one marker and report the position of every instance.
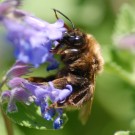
(114, 103)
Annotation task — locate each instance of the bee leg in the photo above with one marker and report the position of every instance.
(54, 105)
(79, 98)
(60, 83)
(41, 79)
(55, 49)
(70, 51)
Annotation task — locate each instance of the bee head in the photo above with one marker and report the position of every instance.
(74, 38)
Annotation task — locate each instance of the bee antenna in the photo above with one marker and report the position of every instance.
(55, 11)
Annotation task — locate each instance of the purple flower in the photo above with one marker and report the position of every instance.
(127, 42)
(18, 69)
(48, 114)
(33, 45)
(31, 37)
(57, 123)
(14, 95)
(21, 90)
(43, 91)
(8, 6)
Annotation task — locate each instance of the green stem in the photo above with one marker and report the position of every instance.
(4, 79)
(8, 124)
(126, 76)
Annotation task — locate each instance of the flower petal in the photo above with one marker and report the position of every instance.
(36, 90)
(64, 93)
(6, 95)
(18, 69)
(32, 37)
(57, 123)
(49, 114)
(15, 82)
(12, 107)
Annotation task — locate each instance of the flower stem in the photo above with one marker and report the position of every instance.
(118, 70)
(8, 124)
(4, 79)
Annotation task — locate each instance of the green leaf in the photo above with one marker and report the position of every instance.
(125, 23)
(124, 133)
(123, 63)
(29, 116)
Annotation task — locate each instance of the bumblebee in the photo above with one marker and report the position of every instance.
(82, 59)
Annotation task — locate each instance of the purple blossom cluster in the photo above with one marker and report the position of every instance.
(32, 39)
(22, 90)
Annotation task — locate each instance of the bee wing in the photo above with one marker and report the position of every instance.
(86, 108)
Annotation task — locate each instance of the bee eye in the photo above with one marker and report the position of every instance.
(76, 40)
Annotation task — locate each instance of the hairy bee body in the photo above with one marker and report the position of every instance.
(82, 63)
(82, 60)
